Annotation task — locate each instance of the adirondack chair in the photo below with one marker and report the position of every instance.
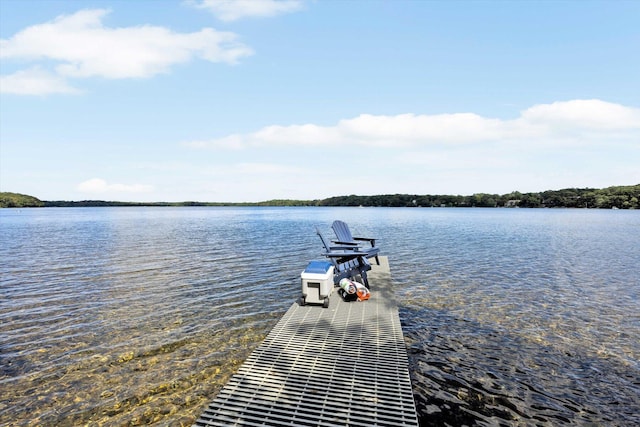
(348, 261)
(343, 233)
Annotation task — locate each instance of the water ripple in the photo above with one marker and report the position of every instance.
(120, 316)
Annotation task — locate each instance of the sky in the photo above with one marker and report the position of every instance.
(253, 100)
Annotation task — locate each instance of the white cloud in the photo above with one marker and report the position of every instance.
(408, 129)
(560, 123)
(556, 145)
(233, 10)
(35, 81)
(84, 47)
(265, 169)
(458, 160)
(257, 168)
(100, 186)
(584, 114)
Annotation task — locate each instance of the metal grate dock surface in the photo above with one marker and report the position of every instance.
(345, 365)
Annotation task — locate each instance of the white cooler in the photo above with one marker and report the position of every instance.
(317, 283)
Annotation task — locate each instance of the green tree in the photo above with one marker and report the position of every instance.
(16, 200)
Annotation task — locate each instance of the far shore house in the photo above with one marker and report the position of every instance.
(512, 203)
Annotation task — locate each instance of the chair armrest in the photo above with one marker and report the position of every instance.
(344, 248)
(344, 243)
(344, 254)
(366, 239)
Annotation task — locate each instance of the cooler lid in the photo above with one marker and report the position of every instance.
(317, 267)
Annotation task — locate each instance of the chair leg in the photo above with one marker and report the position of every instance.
(365, 281)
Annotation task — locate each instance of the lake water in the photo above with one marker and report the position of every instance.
(138, 316)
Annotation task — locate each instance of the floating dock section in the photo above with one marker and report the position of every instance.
(345, 365)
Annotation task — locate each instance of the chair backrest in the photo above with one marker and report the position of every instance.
(325, 242)
(350, 265)
(342, 231)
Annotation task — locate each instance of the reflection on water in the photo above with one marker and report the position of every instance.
(136, 316)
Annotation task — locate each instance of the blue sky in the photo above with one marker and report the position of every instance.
(256, 100)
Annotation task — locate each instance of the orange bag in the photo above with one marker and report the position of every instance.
(363, 293)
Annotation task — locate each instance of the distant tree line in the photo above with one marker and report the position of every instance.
(620, 197)
(103, 203)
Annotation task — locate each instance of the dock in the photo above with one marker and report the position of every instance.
(345, 365)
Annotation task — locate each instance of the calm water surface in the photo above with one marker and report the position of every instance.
(137, 316)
